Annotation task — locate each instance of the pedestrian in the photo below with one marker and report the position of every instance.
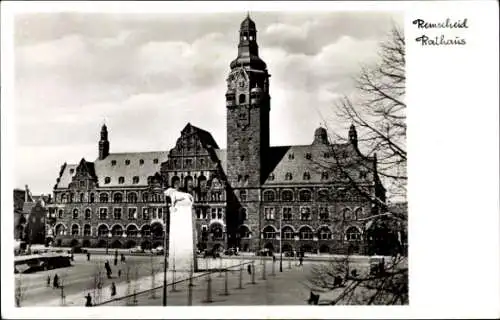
(249, 269)
(88, 300)
(48, 280)
(88, 256)
(274, 258)
(116, 257)
(119, 273)
(72, 257)
(56, 281)
(300, 260)
(122, 258)
(116, 261)
(113, 289)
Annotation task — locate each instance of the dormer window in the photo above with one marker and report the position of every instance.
(141, 162)
(288, 176)
(71, 171)
(113, 162)
(127, 162)
(135, 180)
(307, 176)
(121, 180)
(290, 156)
(107, 180)
(363, 174)
(308, 156)
(155, 161)
(324, 175)
(271, 177)
(326, 155)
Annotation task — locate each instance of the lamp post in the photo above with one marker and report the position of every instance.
(281, 245)
(165, 253)
(107, 241)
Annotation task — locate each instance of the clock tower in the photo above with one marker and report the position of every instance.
(248, 106)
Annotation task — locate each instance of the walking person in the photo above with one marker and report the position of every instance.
(119, 273)
(88, 300)
(56, 282)
(113, 289)
(88, 256)
(48, 280)
(122, 258)
(301, 259)
(116, 257)
(249, 269)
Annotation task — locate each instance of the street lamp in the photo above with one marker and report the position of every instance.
(107, 241)
(281, 245)
(167, 211)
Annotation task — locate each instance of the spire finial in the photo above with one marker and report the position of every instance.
(248, 14)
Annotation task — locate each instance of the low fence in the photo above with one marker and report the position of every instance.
(132, 298)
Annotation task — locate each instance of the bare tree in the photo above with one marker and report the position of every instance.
(377, 109)
(345, 284)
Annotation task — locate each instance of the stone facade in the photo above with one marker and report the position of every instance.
(243, 194)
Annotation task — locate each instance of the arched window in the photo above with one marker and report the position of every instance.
(64, 198)
(82, 197)
(305, 195)
(155, 197)
(145, 197)
(132, 197)
(358, 213)
(241, 98)
(102, 231)
(117, 230)
(117, 197)
(244, 232)
(305, 233)
(353, 234)
(132, 231)
(269, 233)
(269, 195)
(217, 231)
(87, 231)
(307, 176)
(92, 198)
(60, 213)
(88, 214)
(60, 230)
(71, 197)
(103, 197)
(75, 213)
(75, 229)
(188, 183)
(287, 195)
(287, 233)
(324, 233)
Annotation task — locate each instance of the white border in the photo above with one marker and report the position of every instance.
(453, 185)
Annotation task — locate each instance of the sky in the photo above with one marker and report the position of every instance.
(147, 75)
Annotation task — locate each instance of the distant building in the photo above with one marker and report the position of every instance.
(29, 216)
(243, 194)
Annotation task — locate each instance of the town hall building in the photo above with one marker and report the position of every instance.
(251, 195)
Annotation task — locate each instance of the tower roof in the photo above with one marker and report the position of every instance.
(247, 23)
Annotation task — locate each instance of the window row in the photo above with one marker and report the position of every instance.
(117, 197)
(116, 213)
(213, 213)
(127, 162)
(306, 215)
(121, 180)
(154, 230)
(288, 195)
(307, 233)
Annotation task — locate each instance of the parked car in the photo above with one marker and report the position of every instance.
(289, 254)
(264, 252)
(231, 252)
(137, 249)
(158, 250)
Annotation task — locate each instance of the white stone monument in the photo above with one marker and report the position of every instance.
(181, 247)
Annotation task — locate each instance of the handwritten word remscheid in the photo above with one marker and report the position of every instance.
(441, 39)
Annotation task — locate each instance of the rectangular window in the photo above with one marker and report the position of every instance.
(323, 213)
(82, 184)
(269, 213)
(198, 213)
(214, 213)
(219, 213)
(160, 213)
(103, 213)
(132, 213)
(154, 213)
(287, 213)
(188, 163)
(305, 213)
(117, 213)
(288, 235)
(145, 213)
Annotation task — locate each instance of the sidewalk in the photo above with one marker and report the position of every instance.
(283, 288)
(144, 283)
